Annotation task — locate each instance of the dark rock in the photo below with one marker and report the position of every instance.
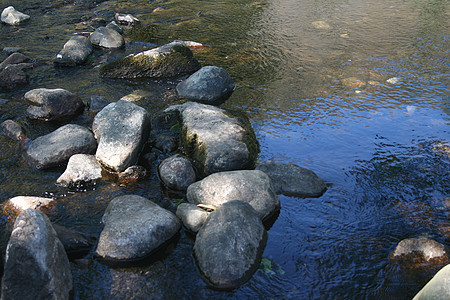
(13, 130)
(229, 246)
(36, 264)
(210, 85)
(82, 169)
(134, 228)
(97, 103)
(58, 146)
(192, 216)
(251, 186)
(176, 172)
(292, 180)
(132, 174)
(165, 120)
(127, 19)
(166, 143)
(215, 140)
(13, 59)
(107, 38)
(121, 129)
(168, 61)
(113, 25)
(419, 250)
(148, 160)
(75, 51)
(75, 243)
(13, 17)
(437, 288)
(10, 50)
(53, 104)
(13, 76)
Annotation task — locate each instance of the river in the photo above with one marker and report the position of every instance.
(355, 90)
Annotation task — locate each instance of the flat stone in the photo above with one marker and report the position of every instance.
(192, 216)
(81, 169)
(13, 17)
(75, 51)
(21, 203)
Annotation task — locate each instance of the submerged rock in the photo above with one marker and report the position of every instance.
(57, 147)
(132, 174)
(20, 203)
(36, 265)
(192, 216)
(107, 38)
(12, 16)
(81, 169)
(121, 129)
(229, 246)
(292, 180)
(437, 288)
(168, 61)
(215, 140)
(13, 130)
(252, 186)
(210, 85)
(176, 172)
(53, 104)
(134, 228)
(75, 243)
(97, 103)
(75, 51)
(419, 250)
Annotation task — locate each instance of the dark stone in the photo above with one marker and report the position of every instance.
(113, 25)
(97, 103)
(36, 264)
(229, 246)
(107, 38)
(166, 143)
(292, 180)
(176, 172)
(75, 51)
(75, 243)
(209, 85)
(13, 76)
(13, 59)
(13, 130)
(148, 160)
(10, 50)
(132, 174)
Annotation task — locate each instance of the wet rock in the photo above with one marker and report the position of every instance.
(75, 51)
(394, 80)
(20, 203)
(14, 58)
(176, 172)
(192, 216)
(148, 160)
(418, 250)
(97, 103)
(36, 265)
(53, 104)
(13, 130)
(107, 38)
(166, 143)
(321, 25)
(136, 96)
(234, 148)
(57, 147)
(113, 25)
(229, 245)
(437, 288)
(13, 71)
(134, 228)
(127, 19)
(293, 180)
(81, 169)
(10, 50)
(121, 129)
(75, 243)
(13, 17)
(132, 174)
(353, 82)
(252, 186)
(210, 85)
(168, 61)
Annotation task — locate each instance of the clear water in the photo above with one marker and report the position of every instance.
(317, 96)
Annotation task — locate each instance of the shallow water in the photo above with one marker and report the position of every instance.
(317, 95)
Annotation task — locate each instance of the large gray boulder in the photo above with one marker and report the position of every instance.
(251, 186)
(107, 38)
(438, 288)
(176, 172)
(229, 246)
(121, 129)
(12, 16)
(53, 104)
(209, 85)
(216, 140)
(292, 180)
(82, 169)
(57, 147)
(168, 61)
(75, 51)
(36, 265)
(134, 228)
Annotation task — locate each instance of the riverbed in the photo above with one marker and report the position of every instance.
(356, 91)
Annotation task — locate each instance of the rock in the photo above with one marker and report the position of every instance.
(417, 250)
(252, 186)
(292, 180)
(321, 25)
(136, 95)
(10, 50)
(127, 19)
(148, 160)
(229, 245)
(210, 85)
(113, 25)
(53, 104)
(81, 169)
(132, 174)
(13, 59)
(13, 130)
(166, 143)
(437, 288)
(75, 243)
(20, 203)
(57, 147)
(192, 216)
(234, 148)
(121, 129)
(176, 172)
(107, 38)
(353, 82)
(75, 51)
(394, 80)
(97, 103)
(36, 265)
(134, 228)
(13, 17)
(13, 71)
(168, 61)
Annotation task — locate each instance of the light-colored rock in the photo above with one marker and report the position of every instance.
(81, 169)
(21, 203)
(192, 216)
(423, 248)
(126, 19)
(321, 25)
(107, 38)
(438, 288)
(13, 17)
